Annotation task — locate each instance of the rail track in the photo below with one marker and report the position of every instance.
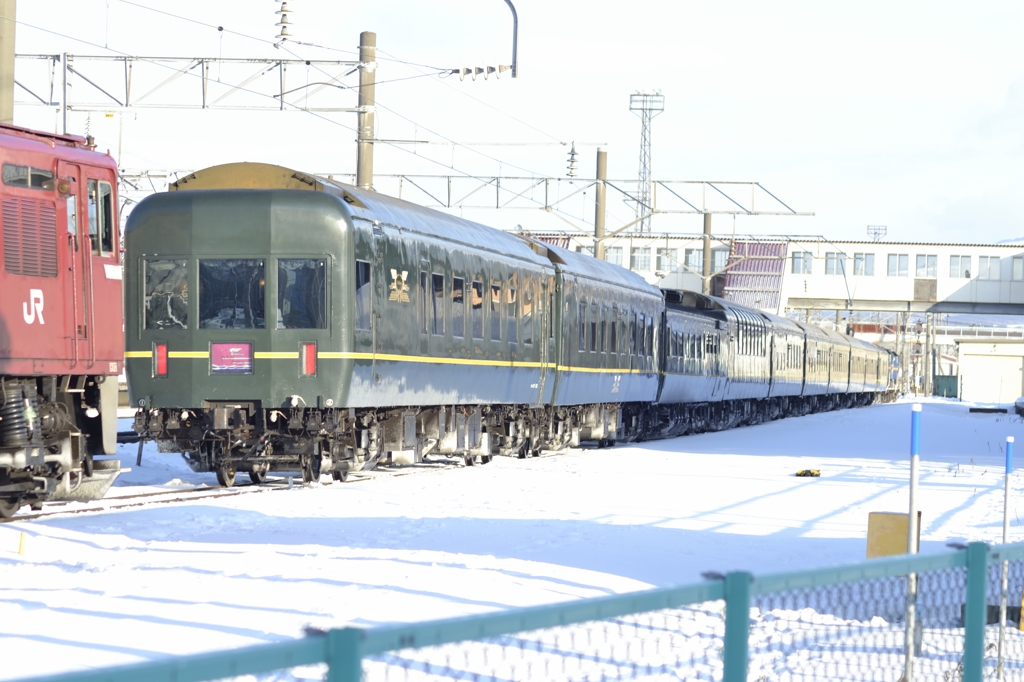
(213, 492)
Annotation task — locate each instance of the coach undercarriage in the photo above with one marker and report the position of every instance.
(232, 437)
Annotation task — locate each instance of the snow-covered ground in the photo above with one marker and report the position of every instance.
(142, 583)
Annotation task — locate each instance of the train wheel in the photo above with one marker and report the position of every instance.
(258, 475)
(340, 476)
(311, 469)
(8, 508)
(470, 460)
(226, 476)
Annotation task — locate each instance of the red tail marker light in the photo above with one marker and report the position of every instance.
(160, 360)
(308, 356)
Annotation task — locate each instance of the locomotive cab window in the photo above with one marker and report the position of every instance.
(231, 294)
(101, 217)
(165, 305)
(363, 294)
(302, 293)
(26, 176)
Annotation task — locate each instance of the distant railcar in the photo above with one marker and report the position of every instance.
(280, 321)
(61, 344)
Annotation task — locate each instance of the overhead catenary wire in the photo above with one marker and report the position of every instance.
(318, 115)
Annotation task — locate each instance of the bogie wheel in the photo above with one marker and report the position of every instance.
(470, 460)
(311, 469)
(258, 475)
(340, 476)
(9, 508)
(226, 476)
(485, 459)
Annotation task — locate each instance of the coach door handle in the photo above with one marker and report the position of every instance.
(72, 242)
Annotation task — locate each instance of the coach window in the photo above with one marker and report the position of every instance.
(495, 312)
(593, 327)
(583, 325)
(231, 294)
(477, 292)
(437, 305)
(302, 293)
(632, 334)
(513, 315)
(424, 302)
(528, 318)
(101, 217)
(165, 305)
(458, 307)
(650, 336)
(363, 293)
(641, 334)
(613, 329)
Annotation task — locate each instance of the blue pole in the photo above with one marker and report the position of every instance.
(915, 430)
(735, 651)
(1009, 455)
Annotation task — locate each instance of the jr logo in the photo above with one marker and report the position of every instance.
(34, 307)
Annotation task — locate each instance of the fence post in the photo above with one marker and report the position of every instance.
(737, 626)
(344, 658)
(975, 611)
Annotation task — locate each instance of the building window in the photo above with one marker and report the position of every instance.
(835, 263)
(719, 259)
(988, 267)
(640, 259)
(898, 264)
(695, 260)
(585, 250)
(927, 266)
(613, 254)
(864, 264)
(667, 260)
(960, 266)
(802, 262)
(1018, 267)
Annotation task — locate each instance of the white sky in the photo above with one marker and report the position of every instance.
(900, 114)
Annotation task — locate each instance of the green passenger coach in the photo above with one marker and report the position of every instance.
(279, 321)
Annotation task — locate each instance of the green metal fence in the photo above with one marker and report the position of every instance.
(845, 623)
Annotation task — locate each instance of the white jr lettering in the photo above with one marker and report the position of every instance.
(34, 307)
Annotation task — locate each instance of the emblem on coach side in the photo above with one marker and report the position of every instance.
(399, 289)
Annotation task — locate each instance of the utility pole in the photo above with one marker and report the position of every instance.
(600, 196)
(8, 11)
(365, 132)
(706, 270)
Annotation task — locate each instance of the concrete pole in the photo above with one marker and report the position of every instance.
(599, 203)
(8, 10)
(707, 255)
(927, 369)
(366, 134)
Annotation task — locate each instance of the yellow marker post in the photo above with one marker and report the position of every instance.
(21, 544)
(887, 534)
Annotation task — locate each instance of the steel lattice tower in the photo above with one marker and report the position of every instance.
(647, 105)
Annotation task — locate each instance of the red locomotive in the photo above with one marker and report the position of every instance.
(61, 339)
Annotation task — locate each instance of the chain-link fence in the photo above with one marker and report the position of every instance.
(670, 644)
(845, 623)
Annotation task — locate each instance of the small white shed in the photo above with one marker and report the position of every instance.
(991, 372)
